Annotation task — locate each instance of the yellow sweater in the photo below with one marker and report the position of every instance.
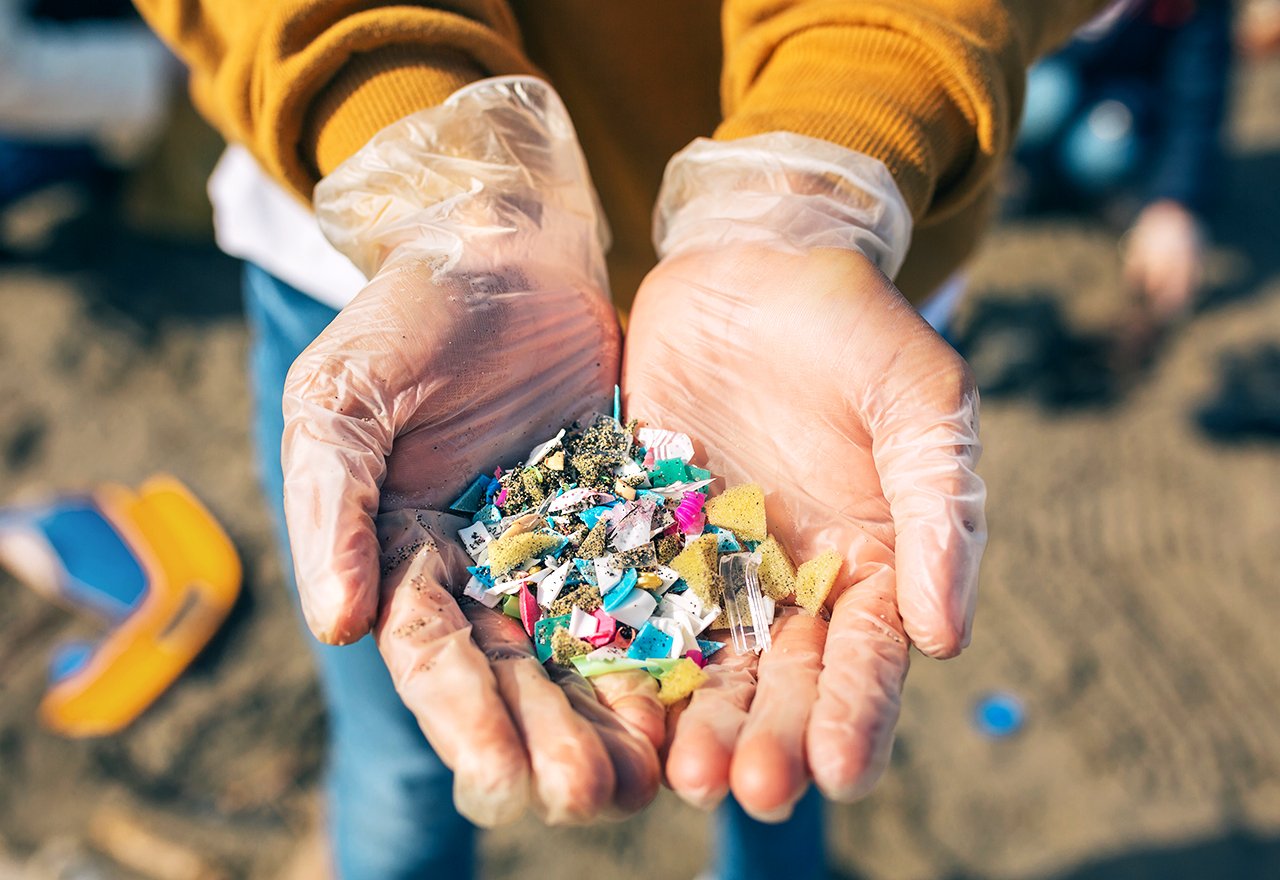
(933, 88)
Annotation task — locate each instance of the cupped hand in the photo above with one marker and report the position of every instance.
(809, 374)
(421, 382)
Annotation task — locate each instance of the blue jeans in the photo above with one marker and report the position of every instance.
(390, 801)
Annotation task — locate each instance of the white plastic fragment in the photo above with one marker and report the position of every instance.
(575, 500)
(583, 625)
(551, 585)
(675, 490)
(475, 539)
(506, 588)
(540, 451)
(476, 590)
(660, 443)
(635, 609)
(607, 574)
(677, 633)
(668, 575)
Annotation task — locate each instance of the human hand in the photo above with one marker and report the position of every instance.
(1164, 259)
(804, 370)
(485, 327)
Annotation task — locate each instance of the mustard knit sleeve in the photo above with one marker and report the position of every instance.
(305, 83)
(933, 88)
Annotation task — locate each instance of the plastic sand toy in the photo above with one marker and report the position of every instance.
(154, 565)
(608, 545)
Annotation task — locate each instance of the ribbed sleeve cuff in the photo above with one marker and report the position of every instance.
(374, 90)
(875, 90)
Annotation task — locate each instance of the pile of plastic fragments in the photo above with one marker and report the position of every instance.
(606, 545)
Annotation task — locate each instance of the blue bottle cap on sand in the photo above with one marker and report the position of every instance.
(999, 715)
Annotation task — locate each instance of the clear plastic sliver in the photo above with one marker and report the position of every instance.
(745, 606)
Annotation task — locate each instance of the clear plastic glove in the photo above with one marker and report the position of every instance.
(768, 334)
(1164, 259)
(485, 327)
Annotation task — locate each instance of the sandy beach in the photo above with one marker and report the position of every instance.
(1129, 594)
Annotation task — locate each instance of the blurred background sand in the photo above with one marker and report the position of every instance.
(1129, 592)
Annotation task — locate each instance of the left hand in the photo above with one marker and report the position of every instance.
(1164, 259)
(808, 373)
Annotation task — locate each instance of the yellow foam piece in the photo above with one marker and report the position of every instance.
(699, 565)
(564, 647)
(815, 579)
(508, 552)
(680, 681)
(777, 571)
(740, 510)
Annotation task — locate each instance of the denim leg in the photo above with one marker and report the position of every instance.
(26, 166)
(745, 849)
(390, 800)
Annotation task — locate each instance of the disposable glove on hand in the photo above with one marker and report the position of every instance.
(769, 334)
(485, 327)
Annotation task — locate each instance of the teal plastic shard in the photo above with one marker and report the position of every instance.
(744, 604)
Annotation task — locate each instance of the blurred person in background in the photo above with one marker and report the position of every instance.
(1130, 114)
(474, 322)
(84, 90)
(1258, 30)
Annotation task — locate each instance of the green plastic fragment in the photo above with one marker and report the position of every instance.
(543, 630)
(472, 498)
(511, 606)
(589, 667)
(668, 471)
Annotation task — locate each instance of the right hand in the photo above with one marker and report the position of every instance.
(486, 326)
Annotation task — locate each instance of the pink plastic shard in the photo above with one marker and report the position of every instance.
(529, 610)
(605, 632)
(501, 498)
(696, 657)
(689, 512)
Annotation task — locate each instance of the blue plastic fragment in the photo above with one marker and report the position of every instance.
(482, 574)
(586, 570)
(998, 715)
(726, 541)
(489, 515)
(651, 642)
(709, 647)
(492, 488)
(473, 497)
(559, 548)
(621, 590)
(617, 403)
(543, 630)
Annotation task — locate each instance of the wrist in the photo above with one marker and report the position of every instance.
(496, 168)
(781, 190)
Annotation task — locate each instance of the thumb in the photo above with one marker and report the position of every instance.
(334, 456)
(925, 445)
